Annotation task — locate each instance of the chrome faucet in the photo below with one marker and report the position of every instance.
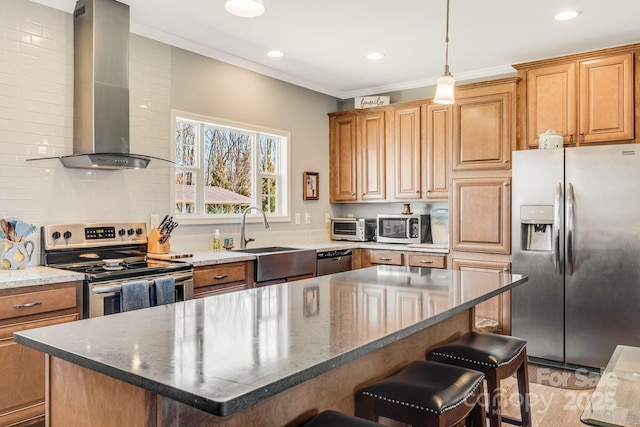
(243, 241)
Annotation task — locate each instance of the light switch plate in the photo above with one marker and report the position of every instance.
(297, 219)
(307, 218)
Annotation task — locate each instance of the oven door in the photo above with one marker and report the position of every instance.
(104, 297)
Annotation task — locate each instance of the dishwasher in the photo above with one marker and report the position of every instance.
(330, 262)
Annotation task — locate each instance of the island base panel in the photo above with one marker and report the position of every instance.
(80, 397)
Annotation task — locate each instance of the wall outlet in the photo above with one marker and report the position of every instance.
(307, 218)
(297, 218)
(327, 217)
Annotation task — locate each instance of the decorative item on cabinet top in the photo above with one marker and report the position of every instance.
(371, 101)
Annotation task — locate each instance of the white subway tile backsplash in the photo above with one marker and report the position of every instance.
(36, 120)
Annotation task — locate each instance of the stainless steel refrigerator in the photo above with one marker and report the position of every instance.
(576, 234)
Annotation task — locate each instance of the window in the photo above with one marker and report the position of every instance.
(225, 167)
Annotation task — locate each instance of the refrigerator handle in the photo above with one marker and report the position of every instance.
(571, 211)
(557, 224)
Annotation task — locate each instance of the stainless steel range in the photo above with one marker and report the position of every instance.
(109, 254)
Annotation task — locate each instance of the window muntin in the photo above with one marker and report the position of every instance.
(224, 168)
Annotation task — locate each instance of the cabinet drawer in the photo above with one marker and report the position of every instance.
(219, 274)
(37, 302)
(432, 261)
(388, 258)
(6, 332)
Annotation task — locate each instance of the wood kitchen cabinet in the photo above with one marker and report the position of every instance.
(357, 169)
(481, 214)
(342, 152)
(496, 312)
(22, 389)
(439, 136)
(484, 125)
(395, 153)
(588, 97)
(409, 164)
(222, 278)
(370, 257)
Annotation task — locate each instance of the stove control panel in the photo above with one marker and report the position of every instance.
(59, 236)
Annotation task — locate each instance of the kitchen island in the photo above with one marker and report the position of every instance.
(271, 356)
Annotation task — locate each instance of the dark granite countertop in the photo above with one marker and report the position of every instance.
(224, 353)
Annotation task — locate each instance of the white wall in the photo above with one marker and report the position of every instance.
(36, 120)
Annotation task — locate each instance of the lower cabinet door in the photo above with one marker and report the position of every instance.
(493, 315)
(22, 373)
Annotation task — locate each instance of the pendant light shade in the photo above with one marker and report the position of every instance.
(444, 91)
(446, 83)
(245, 8)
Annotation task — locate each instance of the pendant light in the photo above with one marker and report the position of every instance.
(245, 8)
(444, 90)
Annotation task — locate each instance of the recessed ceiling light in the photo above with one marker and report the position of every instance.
(275, 53)
(374, 56)
(245, 8)
(567, 14)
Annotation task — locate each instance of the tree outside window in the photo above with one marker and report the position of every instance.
(224, 169)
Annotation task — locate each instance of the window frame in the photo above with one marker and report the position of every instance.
(284, 177)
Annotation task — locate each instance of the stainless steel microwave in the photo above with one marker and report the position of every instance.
(401, 228)
(354, 229)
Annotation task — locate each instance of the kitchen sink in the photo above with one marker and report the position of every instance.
(279, 262)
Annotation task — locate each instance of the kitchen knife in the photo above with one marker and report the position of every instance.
(166, 217)
(166, 225)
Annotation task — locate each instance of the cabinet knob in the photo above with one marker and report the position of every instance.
(417, 191)
(505, 161)
(506, 184)
(571, 138)
(506, 270)
(581, 136)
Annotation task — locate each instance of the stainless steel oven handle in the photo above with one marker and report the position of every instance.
(105, 289)
(116, 287)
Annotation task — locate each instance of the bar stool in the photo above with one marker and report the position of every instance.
(427, 394)
(498, 357)
(331, 418)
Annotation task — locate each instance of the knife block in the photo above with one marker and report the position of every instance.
(153, 243)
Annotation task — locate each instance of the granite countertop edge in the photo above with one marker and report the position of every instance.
(229, 407)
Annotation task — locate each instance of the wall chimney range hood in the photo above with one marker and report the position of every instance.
(101, 89)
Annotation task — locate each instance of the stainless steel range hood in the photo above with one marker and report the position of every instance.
(101, 89)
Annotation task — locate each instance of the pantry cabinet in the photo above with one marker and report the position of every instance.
(589, 97)
(22, 369)
(482, 214)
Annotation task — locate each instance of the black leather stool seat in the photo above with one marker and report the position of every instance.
(421, 393)
(331, 418)
(498, 357)
(483, 349)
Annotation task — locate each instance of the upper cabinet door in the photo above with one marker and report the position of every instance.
(551, 101)
(343, 154)
(371, 135)
(439, 136)
(606, 99)
(408, 151)
(484, 128)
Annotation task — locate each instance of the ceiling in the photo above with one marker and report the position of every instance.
(326, 41)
